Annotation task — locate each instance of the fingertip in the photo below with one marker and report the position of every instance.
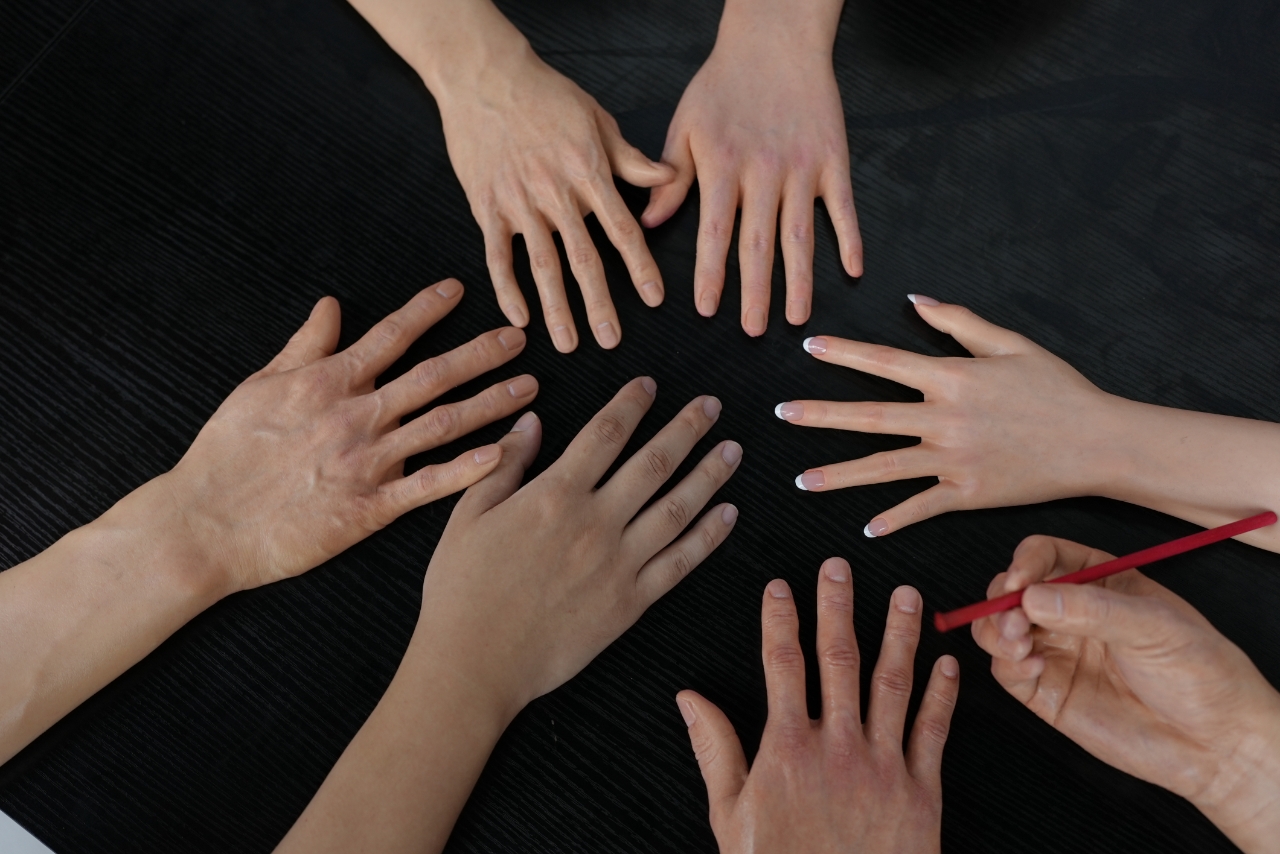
(516, 314)
(949, 667)
(448, 289)
(688, 710)
(488, 456)
(778, 589)
(837, 570)
(728, 515)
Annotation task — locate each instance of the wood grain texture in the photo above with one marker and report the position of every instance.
(180, 182)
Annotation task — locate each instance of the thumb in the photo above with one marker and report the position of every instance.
(519, 449)
(317, 338)
(627, 161)
(667, 198)
(1087, 610)
(719, 753)
(980, 337)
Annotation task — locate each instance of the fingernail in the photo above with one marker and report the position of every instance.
(449, 288)
(607, 335)
(708, 304)
(649, 385)
(950, 667)
(711, 406)
(686, 712)
(778, 589)
(877, 527)
(731, 453)
(810, 480)
(526, 421)
(816, 346)
(487, 454)
(789, 411)
(562, 338)
(920, 299)
(729, 514)
(1042, 599)
(835, 570)
(907, 600)
(651, 293)
(511, 339)
(755, 321)
(522, 386)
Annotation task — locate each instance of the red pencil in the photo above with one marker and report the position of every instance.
(949, 620)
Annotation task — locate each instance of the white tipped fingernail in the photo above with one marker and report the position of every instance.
(777, 410)
(800, 485)
(866, 532)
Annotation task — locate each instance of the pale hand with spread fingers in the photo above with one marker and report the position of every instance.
(1136, 676)
(527, 585)
(1018, 425)
(762, 128)
(835, 784)
(304, 459)
(534, 153)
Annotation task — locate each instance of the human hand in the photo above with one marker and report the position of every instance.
(1136, 676)
(998, 430)
(528, 584)
(834, 784)
(762, 128)
(306, 458)
(536, 154)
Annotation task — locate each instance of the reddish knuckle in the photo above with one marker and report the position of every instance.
(759, 241)
(442, 422)
(934, 730)
(840, 654)
(785, 657)
(543, 261)
(799, 233)
(717, 229)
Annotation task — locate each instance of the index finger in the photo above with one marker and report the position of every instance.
(900, 366)
(378, 348)
(598, 444)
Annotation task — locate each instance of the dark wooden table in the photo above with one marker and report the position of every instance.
(180, 181)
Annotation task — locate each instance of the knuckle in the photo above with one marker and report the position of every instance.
(681, 565)
(799, 233)
(841, 655)
(676, 511)
(934, 730)
(893, 681)
(610, 431)
(441, 422)
(717, 229)
(390, 330)
(759, 241)
(431, 373)
(784, 657)
(789, 737)
(625, 230)
(543, 261)
(582, 257)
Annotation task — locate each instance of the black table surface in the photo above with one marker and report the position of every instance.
(180, 181)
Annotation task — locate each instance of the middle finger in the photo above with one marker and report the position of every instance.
(639, 477)
(428, 380)
(755, 251)
(870, 416)
(895, 669)
(584, 260)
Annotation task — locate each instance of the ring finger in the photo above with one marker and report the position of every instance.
(450, 421)
(584, 261)
(547, 275)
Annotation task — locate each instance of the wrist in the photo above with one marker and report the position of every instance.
(159, 530)
(768, 25)
(1241, 798)
(466, 676)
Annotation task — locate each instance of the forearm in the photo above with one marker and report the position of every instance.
(783, 24)
(401, 783)
(1207, 469)
(452, 44)
(93, 604)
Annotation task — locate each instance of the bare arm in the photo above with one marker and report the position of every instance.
(303, 460)
(534, 153)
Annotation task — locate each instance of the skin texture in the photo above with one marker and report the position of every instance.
(1137, 677)
(304, 459)
(535, 155)
(761, 127)
(834, 784)
(527, 585)
(1017, 425)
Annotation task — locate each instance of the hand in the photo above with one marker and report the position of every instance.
(1003, 429)
(834, 784)
(1137, 677)
(531, 583)
(762, 128)
(306, 457)
(535, 154)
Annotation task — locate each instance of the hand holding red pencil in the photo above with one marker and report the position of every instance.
(1140, 679)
